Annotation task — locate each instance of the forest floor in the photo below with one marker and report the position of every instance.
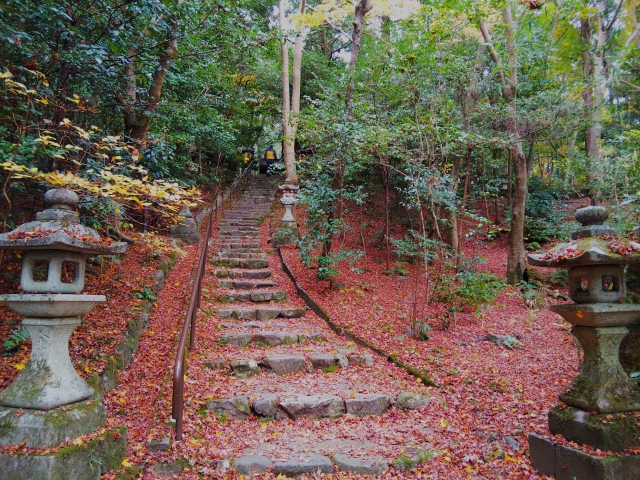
(484, 393)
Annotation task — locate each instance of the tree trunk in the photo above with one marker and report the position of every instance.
(290, 104)
(516, 261)
(361, 9)
(137, 118)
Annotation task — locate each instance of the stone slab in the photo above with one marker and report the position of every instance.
(252, 464)
(368, 404)
(614, 432)
(237, 407)
(311, 464)
(84, 462)
(283, 364)
(49, 428)
(245, 367)
(412, 400)
(314, 406)
(265, 404)
(362, 466)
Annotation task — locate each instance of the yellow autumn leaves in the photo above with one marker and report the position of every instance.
(333, 11)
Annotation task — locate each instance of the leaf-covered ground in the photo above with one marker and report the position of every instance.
(484, 393)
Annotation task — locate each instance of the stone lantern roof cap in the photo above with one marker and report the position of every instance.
(58, 228)
(592, 244)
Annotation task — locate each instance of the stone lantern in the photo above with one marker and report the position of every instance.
(186, 228)
(601, 397)
(287, 231)
(56, 247)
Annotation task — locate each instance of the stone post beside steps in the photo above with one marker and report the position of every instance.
(287, 232)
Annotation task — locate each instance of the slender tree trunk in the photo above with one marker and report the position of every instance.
(516, 260)
(362, 8)
(290, 104)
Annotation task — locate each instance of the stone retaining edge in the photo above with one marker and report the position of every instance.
(343, 332)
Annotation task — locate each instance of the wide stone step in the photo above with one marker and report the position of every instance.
(238, 254)
(239, 228)
(252, 274)
(251, 263)
(313, 406)
(239, 245)
(271, 338)
(256, 296)
(310, 464)
(259, 313)
(239, 249)
(238, 238)
(237, 233)
(227, 222)
(246, 284)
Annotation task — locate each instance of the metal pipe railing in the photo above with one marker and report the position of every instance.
(189, 325)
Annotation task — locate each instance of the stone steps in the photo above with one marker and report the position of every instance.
(238, 233)
(247, 273)
(259, 313)
(240, 249)
(237, 254)
(305, 463)
(272, 338)
(241, 245)
(245, 284)
(313, 406)
(248, 263)
(255, 296)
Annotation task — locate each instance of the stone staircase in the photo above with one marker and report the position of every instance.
(274, 358)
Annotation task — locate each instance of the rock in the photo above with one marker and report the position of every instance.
(512, 443)
(341, 360)
(268, 295)
(292, 312)
(216, 363)
(295, 467)
(222, 466)
(412, 400)
(275, 338)
(503, 340)
(362, 466)
(166, 469)
(245, 313)
(237, 407)
(267, 313)
(255, 263)
(250, 464)
(266, 404)
(159, 444)
(368, 404)
(406, 462)
(159, 278)
(315, 406)
(365, 359)
(492, 451)
(282, 364)
(245, 368)
(237, 339)
(322, 360)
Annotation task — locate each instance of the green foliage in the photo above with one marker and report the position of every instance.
(546, 218)
(17, 335)
(145, 294)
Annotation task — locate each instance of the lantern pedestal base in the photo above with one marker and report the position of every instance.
(88, 461)
(567, 463)
(614, 432)
(40, 429)
(602, 385)
(49, 380)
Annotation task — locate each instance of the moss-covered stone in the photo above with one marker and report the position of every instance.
(95, 382)
(51, 428)
(76, 462)
(615, 432)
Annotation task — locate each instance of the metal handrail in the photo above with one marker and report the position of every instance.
(189, 326)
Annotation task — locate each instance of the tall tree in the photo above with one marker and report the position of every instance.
(508, 77)
(290, 103)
